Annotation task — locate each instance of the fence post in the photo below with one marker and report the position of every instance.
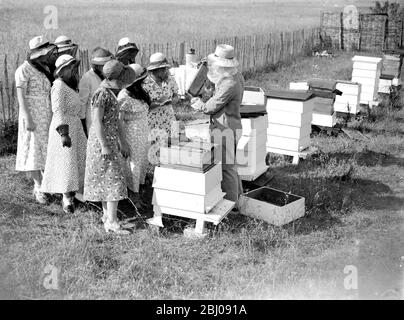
(3, 106)
(182, 53)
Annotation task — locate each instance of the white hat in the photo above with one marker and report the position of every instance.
(124, 42)
(140, 72)
(63, 61)
(223, 56)
(64, 43)
(39, 47)
(158, 60)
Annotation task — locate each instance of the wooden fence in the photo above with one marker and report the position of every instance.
(254, 52)
(374, 32)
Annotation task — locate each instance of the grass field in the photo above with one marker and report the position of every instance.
(354, 194)
(92, 23)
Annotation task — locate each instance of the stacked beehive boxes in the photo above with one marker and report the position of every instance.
(251, 149)
(391, 70)
(188, 184)
(366, 71)
(289, 121)
(348, 102)
(323, 102)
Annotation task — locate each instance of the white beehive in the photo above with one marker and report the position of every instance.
(251, 148)
(366, 71)
(323, 112)
(349, 101)
(187, 190)
(299, 85)
(289, 121)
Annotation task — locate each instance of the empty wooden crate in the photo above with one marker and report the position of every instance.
(273, 206)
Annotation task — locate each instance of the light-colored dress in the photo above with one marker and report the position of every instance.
(104, 178)
(161, 119)
(89, 83)
(64, 170)
(32, 145)
(136, 132)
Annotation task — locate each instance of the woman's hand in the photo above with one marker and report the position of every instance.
(196, 104)
(154, 105)
(106, 151)
(124, 147)
(29, 123)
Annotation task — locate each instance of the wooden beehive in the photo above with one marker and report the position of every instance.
(348, 102)
(367, 71)
(289, 120)
(251, 148)
(186, 190)
(273, 206)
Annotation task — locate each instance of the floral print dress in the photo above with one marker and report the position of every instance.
(32, 145)
(136, 133)
(161, 119)
(64, 169)
(104, 176)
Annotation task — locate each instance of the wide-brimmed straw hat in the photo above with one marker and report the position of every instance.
(126, 44)
(140, 72)
(223, 57)
(118, 75)
(39, 47)
(100, 56)
(158, 60)
(65, 60)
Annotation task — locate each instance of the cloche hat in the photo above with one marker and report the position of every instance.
(100, 56)
(223, 56)
(39, 47)
(158, 60)
(126, 44)
(65, 44)
(140, 72)
(63, 61)
(118, 75)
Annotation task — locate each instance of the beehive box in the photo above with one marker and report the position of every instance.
(299, 85)
(271, 205)
(323, 112)
(348, 102)
(253, 96)
(366, 71)
(188, 201)
(198, 130)
(289, 118)
(385, 83)
(193, 154)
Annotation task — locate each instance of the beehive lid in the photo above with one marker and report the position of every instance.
(366, 59)
(252, 111)
(297, 95)
(322, 84)
(387, 77)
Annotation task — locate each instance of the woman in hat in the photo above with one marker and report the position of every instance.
(90, 82)
(33, 81)
(134, 106)
(224, 110)
(127, 51)
(66, 158)
(104, 178)
(163, 92)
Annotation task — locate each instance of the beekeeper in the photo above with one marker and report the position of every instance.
(224, 110)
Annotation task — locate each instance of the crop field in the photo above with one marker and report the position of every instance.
(92, 23)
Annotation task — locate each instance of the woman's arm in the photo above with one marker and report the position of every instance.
(123, 145)
(26, 114)
(98, 115)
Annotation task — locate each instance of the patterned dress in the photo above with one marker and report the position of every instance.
(64, 170)
(104, 178)
(161, 119)
(136, 133)
(32, 145)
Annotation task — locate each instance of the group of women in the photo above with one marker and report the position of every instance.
(90, 138)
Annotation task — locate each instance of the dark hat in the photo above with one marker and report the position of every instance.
(118, 75)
